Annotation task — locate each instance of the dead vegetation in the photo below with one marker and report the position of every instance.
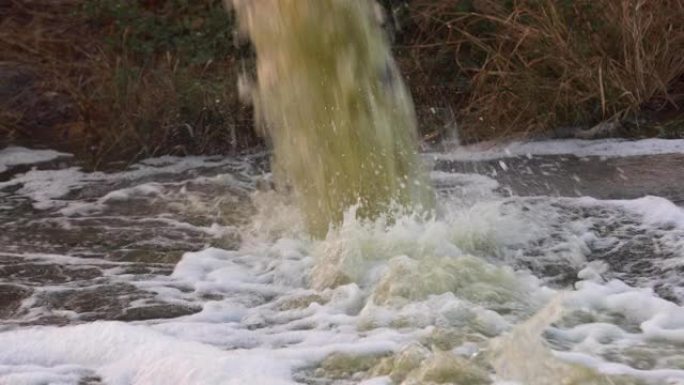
(120, 79)
(526, 66)
(123, 79)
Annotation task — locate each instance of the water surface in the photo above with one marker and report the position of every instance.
(538, 270)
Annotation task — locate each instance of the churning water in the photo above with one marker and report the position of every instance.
(182, 271)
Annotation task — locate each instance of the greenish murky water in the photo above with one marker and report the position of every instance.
(333, 105)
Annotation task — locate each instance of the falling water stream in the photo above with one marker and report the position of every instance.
(333, 105)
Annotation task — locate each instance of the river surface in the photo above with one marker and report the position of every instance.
(551, 263)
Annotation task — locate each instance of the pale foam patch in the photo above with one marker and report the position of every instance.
(657, 318)
(145, 190)
(49, 189)
(124, 354)
(177, 165)
(275, 217)
(14, 156)
(576, 147)
(33, 374)
(45, 187)
(175, 197)
(654, 210)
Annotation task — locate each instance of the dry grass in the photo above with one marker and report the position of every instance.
(34, 50)
(94, 79)
(531, 65)
(119, 79)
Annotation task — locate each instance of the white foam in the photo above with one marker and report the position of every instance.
(576, 147)
(655, 210)
(14, 156)
(47, 189)
(136, 355)
(144, 190)
(32, 374)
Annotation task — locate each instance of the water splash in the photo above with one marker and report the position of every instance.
(331, 101)
(523, 356)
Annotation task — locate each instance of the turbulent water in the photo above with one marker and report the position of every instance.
(185, 271)
(193, 271)
(332, 103)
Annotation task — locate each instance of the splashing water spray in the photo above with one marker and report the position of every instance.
(330, 100)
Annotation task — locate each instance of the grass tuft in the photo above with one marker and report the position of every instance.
(526, 66)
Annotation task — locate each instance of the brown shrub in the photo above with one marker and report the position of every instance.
(143, 77)
(120, 79)
(531, 65)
